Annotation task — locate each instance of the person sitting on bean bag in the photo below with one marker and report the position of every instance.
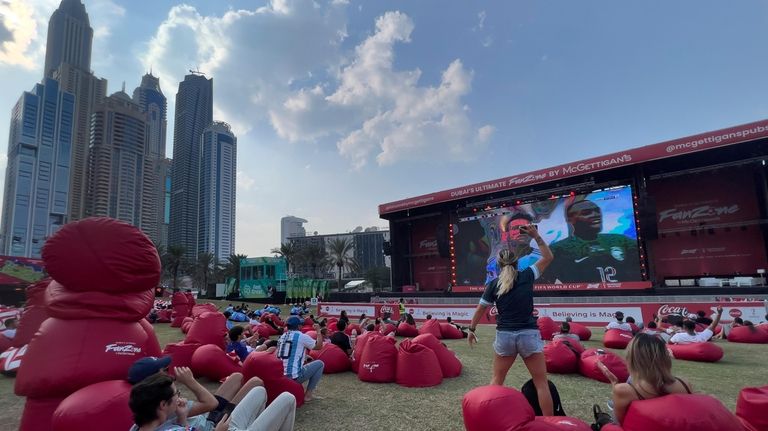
(341, 339)
(723, 335)
(280, 415)
(565, 333)
(387, 318)
(653, 329)
(448, 319)
(650, 376)
(691, 336)
(239, 344)
(619, 323)
(292, 349)
(10, 328)
(631, 322)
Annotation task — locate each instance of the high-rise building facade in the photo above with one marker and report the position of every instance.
(117, 165)
(69, 38)
(194, 112)
(291, 226)
(151, 101)
(38, 172)
(218, 172)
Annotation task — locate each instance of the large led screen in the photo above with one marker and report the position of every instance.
(592, 236)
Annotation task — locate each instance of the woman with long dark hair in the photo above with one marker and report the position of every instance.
(516, 330)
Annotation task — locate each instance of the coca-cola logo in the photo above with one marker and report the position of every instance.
(735, 312)
(494, 311)
(428, 243)
(386, 309)
(666, 310)
(700, 212)
(122, 348)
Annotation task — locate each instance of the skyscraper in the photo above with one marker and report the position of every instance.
(150, 99)
(37, 176)
(194, 112)
(69, 38)
(117, 164)
(218, 171)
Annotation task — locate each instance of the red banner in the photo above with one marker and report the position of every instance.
(570, 286)
(704, 141)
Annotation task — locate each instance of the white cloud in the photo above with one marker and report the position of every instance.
(26, 20)
(480, 21)
(244, 181)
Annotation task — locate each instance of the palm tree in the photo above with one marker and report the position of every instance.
(289, 252)
(339, 250)
(173, 260)
(203, 269)
(232, 267)
(315, 257)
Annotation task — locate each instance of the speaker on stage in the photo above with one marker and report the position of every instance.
(649, 227)
(441, 234)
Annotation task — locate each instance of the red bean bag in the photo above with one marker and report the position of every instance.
(379, 361)
(701, 326)
(679, 412)
(560, 359)
(617, 339)
(105, 403)
(547, 327)
(745, 334)
(559, 423)
(700, 352)
(335, 359)
(575, 345)
(761, 327)
(269, 368)
(431, 326)
(38, 414)
(68, 304)
(264, 330)
(307, 328)
(353, 326)
(357, 353)
(406, 330)
(181, 354)
(35, 312)
(199, 309)
(582, 331)
(332, 327)
(615, 363)
(164, 316)
(190, 302)
(185, 327)
(417, 366)
(388, 329)
(450, 332)
(152, 346)
(5, 343)
(209, 328)
(212, 362)
(10, 360)
(450, 365)
(752, 406)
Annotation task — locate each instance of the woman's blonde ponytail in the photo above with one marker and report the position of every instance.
(508, 262)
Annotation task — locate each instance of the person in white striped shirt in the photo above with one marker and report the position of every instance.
(291, 349)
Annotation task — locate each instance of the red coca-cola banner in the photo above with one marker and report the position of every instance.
(691, 144)
(571, 286)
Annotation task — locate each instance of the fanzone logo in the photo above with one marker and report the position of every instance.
(666, 310)
(428, 243)
(735, 312)
(697, 213)
(121, 348)
(688, 251)
(371, 366)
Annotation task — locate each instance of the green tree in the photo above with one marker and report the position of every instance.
(232, 267)
(174, 258)
(339, 256)
(378, 277)
(204, 268)
(315, 257)
(289, 252)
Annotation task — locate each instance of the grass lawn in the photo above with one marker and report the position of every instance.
(350, 404)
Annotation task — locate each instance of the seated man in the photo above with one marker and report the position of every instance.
(691, 336)
(464, 333)
(227, 395)
(341, 339)
(387, 318)
(701, 317)
(10, 328)
(653, 329)
(239, 344)
(292, 347)
(619, 323)
(565, 333)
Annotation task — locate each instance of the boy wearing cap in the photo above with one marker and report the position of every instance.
(619, 323)
(291, 349)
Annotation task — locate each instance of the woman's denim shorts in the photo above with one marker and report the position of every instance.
(524, 343)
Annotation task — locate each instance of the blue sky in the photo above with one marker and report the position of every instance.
(342, 105)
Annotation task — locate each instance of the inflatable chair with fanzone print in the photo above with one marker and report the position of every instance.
(104, 272)
(35, 312)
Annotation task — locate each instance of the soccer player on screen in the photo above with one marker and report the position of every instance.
(588, 256)
(516, 240)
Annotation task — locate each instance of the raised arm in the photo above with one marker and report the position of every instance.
(716, 321)
(546, 252)
(205, 400)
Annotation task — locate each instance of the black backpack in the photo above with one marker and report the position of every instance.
(529, 391)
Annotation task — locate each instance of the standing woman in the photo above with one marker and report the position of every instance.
(516, 330)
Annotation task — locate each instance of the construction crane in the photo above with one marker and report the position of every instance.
(196, 72)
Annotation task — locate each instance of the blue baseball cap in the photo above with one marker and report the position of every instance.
(294, 322)
(146, 367)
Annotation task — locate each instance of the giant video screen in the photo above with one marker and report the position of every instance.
(592, 236)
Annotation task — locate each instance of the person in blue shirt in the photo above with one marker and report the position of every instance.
(239, 344)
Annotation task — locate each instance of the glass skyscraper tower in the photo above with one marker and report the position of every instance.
(218, 175)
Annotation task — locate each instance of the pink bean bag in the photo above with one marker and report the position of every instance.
(379, 360)
(388, 329)
(547, 327)
(617, 339)
(560, 359)
(212, 362)
(152, 346)
(199, 309)
(332, 327)
(406, 330)
(164, 316)
(615, 363)
(680, 413)
(450, 365)
(582, 331)
(269, 368)
(181, 354)
(353, 326)
(180, 304)
(307, 328)
(752, 406)
(450, 332)
(417, 366)
(335, 359)
(501, 408)
(5, 343)
(209, 328)
(185, 327)
(357, 352)
(106, 403)
(431, 326)
(700, 352)
(745, 334)
(35, 312)
(38, 414)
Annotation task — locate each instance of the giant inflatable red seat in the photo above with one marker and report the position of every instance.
(199, 309)
(615, 363)
(185, 327)
(351, 327)
(431, 326)
(180, 304)
(180, 353)
(35, 312)
(679, 412)
(700, 352)
(417, 366)
(357, 352)
(103, 403)
(212, 362)
(450, 332)
(5, 343)
(379, 360)
(582, 331)
(388, 328)
(752, 406)
(450, 365)
(547, 327)
(209, 328)
(501, 408)
(164, 316)
(269, 368)
(745, 334)
(334, 359)
(406, 330)
(191, 302)
(560, 359)
(617, 339)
